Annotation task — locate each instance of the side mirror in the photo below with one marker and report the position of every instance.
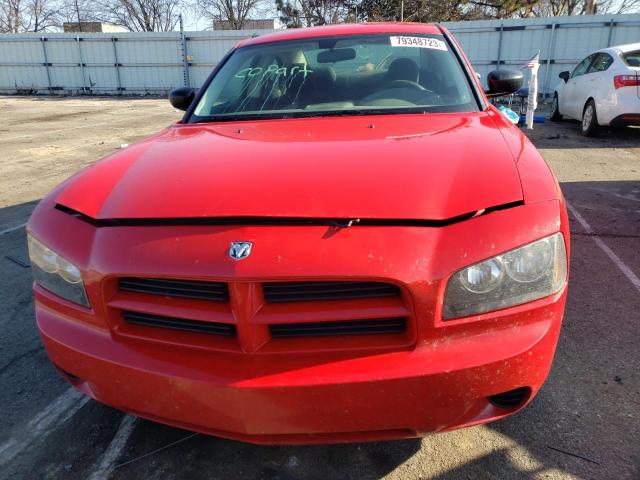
(503, 82)
(565, 76)
(182, 97)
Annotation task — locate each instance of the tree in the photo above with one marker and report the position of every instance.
(455, 10)
(308, 13)
(11, 16)
(504, 8)
(140, 15)
(39, 15)
(77, 11)
(233, 12)
(617, 6)
(290, 15)
(28, 15)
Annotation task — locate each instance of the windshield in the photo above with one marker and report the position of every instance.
(343, 75)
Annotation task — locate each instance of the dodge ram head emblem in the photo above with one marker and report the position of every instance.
(240, 250)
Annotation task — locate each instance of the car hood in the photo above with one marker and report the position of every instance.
(422, 167)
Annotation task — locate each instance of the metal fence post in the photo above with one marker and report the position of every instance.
(612, 26)
(81, 64)
(500, 45)
(550, 52)
(185, 60)
(43, 41)
(117, 64)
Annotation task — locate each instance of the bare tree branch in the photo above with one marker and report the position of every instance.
(140, 15)
(233, 12)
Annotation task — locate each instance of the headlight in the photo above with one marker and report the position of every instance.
(55, 273)
(522, 275)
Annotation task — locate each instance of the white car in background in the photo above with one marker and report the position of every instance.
(603, 90)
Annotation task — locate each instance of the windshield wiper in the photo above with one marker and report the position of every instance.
(312, 114)
(240, 118)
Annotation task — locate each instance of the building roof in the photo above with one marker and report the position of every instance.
(344, 29)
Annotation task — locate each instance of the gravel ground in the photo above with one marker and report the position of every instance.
(584, 424)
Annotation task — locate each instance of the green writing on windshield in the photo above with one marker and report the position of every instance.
(274, 70)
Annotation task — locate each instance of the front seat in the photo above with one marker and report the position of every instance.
(318, 86)
(403, 69)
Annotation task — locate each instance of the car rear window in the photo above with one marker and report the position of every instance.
(632, 58)
(345, 75)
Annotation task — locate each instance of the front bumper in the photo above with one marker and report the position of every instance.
(433, 387)
(438, 377)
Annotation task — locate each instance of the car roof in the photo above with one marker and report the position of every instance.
(345, 29)
(629, 47)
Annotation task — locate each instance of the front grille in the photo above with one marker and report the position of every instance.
(207, 314)
(317, 291)
(160, 321)
(352, 327)
(215, 291)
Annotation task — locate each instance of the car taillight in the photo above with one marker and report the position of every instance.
(620, 81)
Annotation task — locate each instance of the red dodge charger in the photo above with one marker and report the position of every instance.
(341, 240)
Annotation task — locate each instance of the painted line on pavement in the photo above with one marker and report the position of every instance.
(57, 412)
(13, 229)
(633, 278)
(615, 194)
(106, 463)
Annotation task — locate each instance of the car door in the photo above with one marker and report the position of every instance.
(598, 84)
(574, 89)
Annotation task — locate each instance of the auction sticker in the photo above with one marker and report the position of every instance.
(418, 42)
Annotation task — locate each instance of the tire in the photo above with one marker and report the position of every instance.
(589, 125)
(555, 110)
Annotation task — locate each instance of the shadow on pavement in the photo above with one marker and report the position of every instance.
(202, 457)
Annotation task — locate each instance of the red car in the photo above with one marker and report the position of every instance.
(341, 240)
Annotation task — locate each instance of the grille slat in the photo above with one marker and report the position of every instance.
(355, 327)
(161, 321)
(315, 291)
(216, 291)
(173, 284)
(328, 286)
(176, 290)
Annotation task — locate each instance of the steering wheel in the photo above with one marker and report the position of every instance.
(405, 84)
(404, 92)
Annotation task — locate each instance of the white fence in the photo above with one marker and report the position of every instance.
(154, 63)
(562, 41)
(111, 63)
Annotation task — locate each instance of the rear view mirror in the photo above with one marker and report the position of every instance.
(503, 82)
(565, 76)
(337, 55)
(182, 97)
